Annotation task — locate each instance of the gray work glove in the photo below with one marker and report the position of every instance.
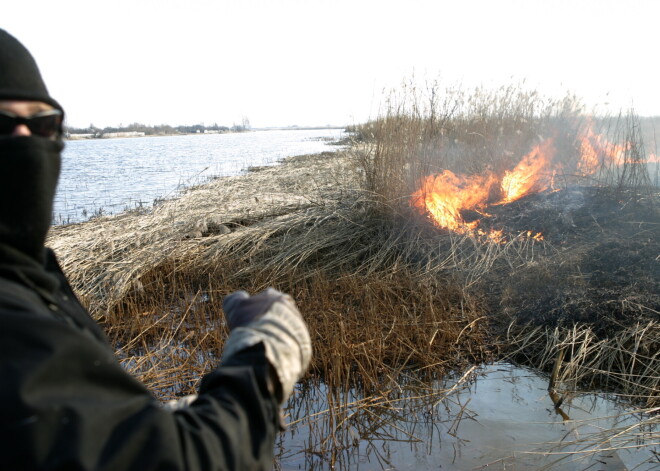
(270, 317)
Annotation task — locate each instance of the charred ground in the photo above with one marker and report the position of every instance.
(601, 266)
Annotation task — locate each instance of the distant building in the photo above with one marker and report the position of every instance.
(123, 134)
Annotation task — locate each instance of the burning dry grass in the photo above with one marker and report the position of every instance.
(366, 321)
(384, 290)
(156, 280)
(573, 259)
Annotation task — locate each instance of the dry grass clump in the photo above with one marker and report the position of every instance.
(628, 362)
(364, 329)
(105, 257)
(368, 311)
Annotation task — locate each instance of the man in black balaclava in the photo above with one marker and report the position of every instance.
(26, 202)
(65, 402)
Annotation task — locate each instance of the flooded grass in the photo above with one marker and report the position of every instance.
(494, 417)
(401, 311)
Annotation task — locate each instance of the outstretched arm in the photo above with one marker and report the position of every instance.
(67, 404)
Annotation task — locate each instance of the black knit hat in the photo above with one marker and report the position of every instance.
(20, 78)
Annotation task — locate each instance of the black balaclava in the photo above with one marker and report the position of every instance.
(29, 165)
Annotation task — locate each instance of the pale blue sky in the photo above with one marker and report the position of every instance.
(309, 62)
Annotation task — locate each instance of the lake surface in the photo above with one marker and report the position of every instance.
(108, 176)
(501, 419)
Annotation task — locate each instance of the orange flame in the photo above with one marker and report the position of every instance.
(445, 196)
(596, 150)
(530, 174)
(589, 153)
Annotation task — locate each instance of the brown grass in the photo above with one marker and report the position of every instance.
(627, 363)
(598, 269)
(383, 291)
(365, 322)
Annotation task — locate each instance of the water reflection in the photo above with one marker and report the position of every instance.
(499, 418)
(107, 176)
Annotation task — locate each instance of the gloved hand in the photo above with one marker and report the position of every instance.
(270, 317)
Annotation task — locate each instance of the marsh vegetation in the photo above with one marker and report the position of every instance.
(563, 277)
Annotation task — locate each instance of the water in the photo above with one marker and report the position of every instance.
(502, 420)
(108, 176)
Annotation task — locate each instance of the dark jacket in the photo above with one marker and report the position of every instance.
(66, 403)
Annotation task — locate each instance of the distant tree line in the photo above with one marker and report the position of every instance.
(162, 129)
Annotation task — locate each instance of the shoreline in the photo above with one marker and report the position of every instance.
(284, 164)
(145, 178)
(224, 204)
(134, 134)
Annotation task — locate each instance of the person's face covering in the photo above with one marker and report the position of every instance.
(30, 147)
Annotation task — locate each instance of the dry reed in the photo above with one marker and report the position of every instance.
(627, 363)
(384, 292)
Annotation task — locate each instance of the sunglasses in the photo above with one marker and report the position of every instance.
(45, 123)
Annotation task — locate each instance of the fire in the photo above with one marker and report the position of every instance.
(531, 174)
(444, 196)
(590, 159)
(447, 196)
(596, 150)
